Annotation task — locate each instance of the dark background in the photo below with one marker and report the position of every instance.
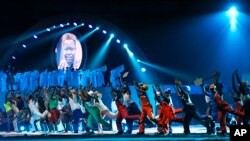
(188, 37)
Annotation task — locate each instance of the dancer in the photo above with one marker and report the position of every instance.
(122, 110)
(76, 109)
(167, 114)
(94, 112)
(132, 109)
(190, 110)
(243, 94)
(223, 107)
(97, 97)
(9, 111)
(212, 110)
(145, 106)
(54, 113)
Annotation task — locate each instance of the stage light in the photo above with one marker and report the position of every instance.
(131, 54)
(104, 32)
(13, 57)
(166, 70)
(67, 23)
(75, 24)
(232, 13)
(48, 29)
(24, 46)
(90, 26)
(61, 25)
(112, 35)
(22, 128)
(125, 46)
(118, 41)
(35, 36)
(54, 26)
(80, 128)
(143, 69)
(87, 35)
(126, 128)
(97, 28)
(187, 88)
(82, 24)
(138, 60)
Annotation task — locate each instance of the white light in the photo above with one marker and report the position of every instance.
(187, 88)
(61, 25)
(112, 35)
(90, 26)
(104, 32)
(80, 128)
(48, 29)
(13, 57)
(54, 26)
(131, 54)
(232, 12)
(126, 128)
(35, 36)
(125, 46)
(143, 69)
(97, 28)
(75, 24)
(24, 46)
(138, 60)
(118, 41)
(22, 128)
(67, 23)
(82, 24)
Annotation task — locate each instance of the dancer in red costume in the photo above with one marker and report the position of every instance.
(122, 111)
(167, 113)
(223, 107)
(243, 94)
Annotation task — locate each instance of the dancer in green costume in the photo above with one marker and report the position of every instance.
(94, 112)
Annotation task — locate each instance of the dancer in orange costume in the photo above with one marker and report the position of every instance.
(145, 106)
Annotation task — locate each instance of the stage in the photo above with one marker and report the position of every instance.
(197, 133)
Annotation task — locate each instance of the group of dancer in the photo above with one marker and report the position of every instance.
(71, 107)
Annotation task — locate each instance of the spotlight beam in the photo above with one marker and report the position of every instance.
(165, 70)
(100, 54)
(130, 53)
(88, 35)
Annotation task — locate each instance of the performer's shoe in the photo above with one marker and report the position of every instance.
(89, 133)
(212, 130)
(151, 125)
(140, 133)
(119, 133)
(221, 133)
(186, 133)
(128, 133)
(235, 98)
(159, 133)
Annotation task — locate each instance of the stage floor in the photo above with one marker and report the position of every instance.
(197, 133)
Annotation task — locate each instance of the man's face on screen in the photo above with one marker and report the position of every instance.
(69, 50)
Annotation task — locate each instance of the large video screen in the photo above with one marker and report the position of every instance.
(68, 52)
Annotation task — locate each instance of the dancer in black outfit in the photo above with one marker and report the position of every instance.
(191, 111)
